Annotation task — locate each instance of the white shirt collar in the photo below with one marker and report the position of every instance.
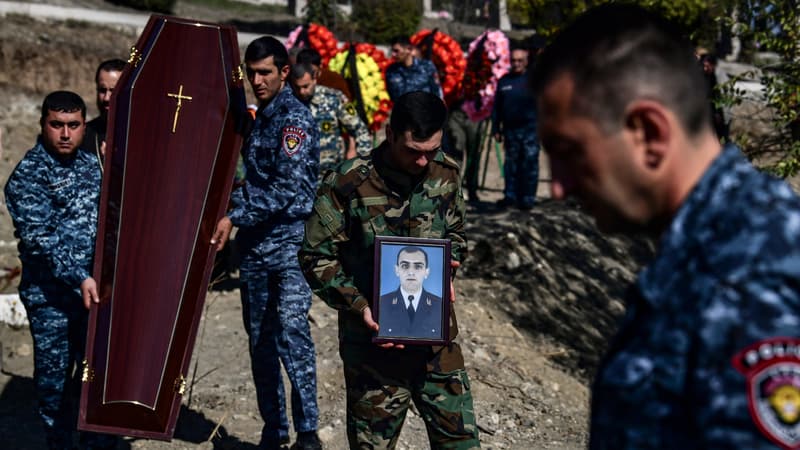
(416, 295)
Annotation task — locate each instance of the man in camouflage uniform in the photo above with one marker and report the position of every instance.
(281, 161)
(405, 187)
(409, 73)
(333, 114)
(52, 198)
(707, 355)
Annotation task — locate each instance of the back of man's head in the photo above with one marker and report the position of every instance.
(264, 47)
(422, 113)
(299, 70)
(109, 65)
(617, 53)
(309, 56)
(63, 101)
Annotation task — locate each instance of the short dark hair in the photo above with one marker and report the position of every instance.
(300, 70)
(616, 53)
(420, 112)
(412, 249)
(62, 101)
(309, 56)
(264, 47)
(109, 65)
(401, 39)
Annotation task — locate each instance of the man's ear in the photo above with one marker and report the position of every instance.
(284, 72)
(648, 124)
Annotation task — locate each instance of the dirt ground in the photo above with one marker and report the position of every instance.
(537, 299)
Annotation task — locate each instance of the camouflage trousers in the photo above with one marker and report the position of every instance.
(466, 138)
(58, 324)
(275, 309)
(521, 167)
(380, 389)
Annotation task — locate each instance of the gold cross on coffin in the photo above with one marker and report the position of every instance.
(180, 98)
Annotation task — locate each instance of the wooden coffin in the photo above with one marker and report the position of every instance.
(176, 126)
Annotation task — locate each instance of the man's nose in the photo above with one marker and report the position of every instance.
(106, 96)
(65, 133)
(422, 161)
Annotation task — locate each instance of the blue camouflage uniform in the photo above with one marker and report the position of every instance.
(333, 114)
(514, 115)
(420, 76)
(708, 354)
(281, 161)
(53, 203)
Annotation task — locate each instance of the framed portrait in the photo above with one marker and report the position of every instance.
(412, 290)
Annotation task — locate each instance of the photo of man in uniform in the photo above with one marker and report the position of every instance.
(411, 310)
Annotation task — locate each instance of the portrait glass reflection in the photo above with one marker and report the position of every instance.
(412, 290)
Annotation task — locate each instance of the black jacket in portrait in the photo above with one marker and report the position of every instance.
(394, 319)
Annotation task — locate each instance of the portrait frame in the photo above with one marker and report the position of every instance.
(399, 270)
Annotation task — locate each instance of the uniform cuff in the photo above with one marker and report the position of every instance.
(359, 304)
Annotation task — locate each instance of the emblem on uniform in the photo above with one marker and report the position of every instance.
(350, 109)
(326, 126)
(293, 138)
(772, 369)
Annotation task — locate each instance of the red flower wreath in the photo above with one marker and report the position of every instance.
(448, 58)
(316, 36)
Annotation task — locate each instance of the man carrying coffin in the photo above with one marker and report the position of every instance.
(105, 80)
(52, 197)
(281, 160)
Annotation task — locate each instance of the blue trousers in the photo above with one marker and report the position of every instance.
(58, 322)
(275, 304)
(521, 167)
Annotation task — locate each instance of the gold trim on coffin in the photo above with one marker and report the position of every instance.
(87, 374)
(135, 57)
(180, 384)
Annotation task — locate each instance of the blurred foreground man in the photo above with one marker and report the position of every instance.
(404, 187)
(281, 160)
(708, 354)
(52, 197)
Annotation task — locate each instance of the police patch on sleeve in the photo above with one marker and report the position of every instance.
(772, 369)
(292, 141)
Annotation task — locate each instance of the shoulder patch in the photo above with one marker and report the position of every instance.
(772, 370)
(352, 173)
(292, 140)
(350, 109)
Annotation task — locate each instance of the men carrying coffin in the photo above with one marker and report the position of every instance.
(281, 160)
(52, 197)
(105, 80)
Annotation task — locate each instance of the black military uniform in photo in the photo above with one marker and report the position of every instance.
(397, 318)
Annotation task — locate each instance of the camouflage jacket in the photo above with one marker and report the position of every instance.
(334, 114)
(420, 76)
(353, 206)
(281, 163)
(708, 347)
(53, 204)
